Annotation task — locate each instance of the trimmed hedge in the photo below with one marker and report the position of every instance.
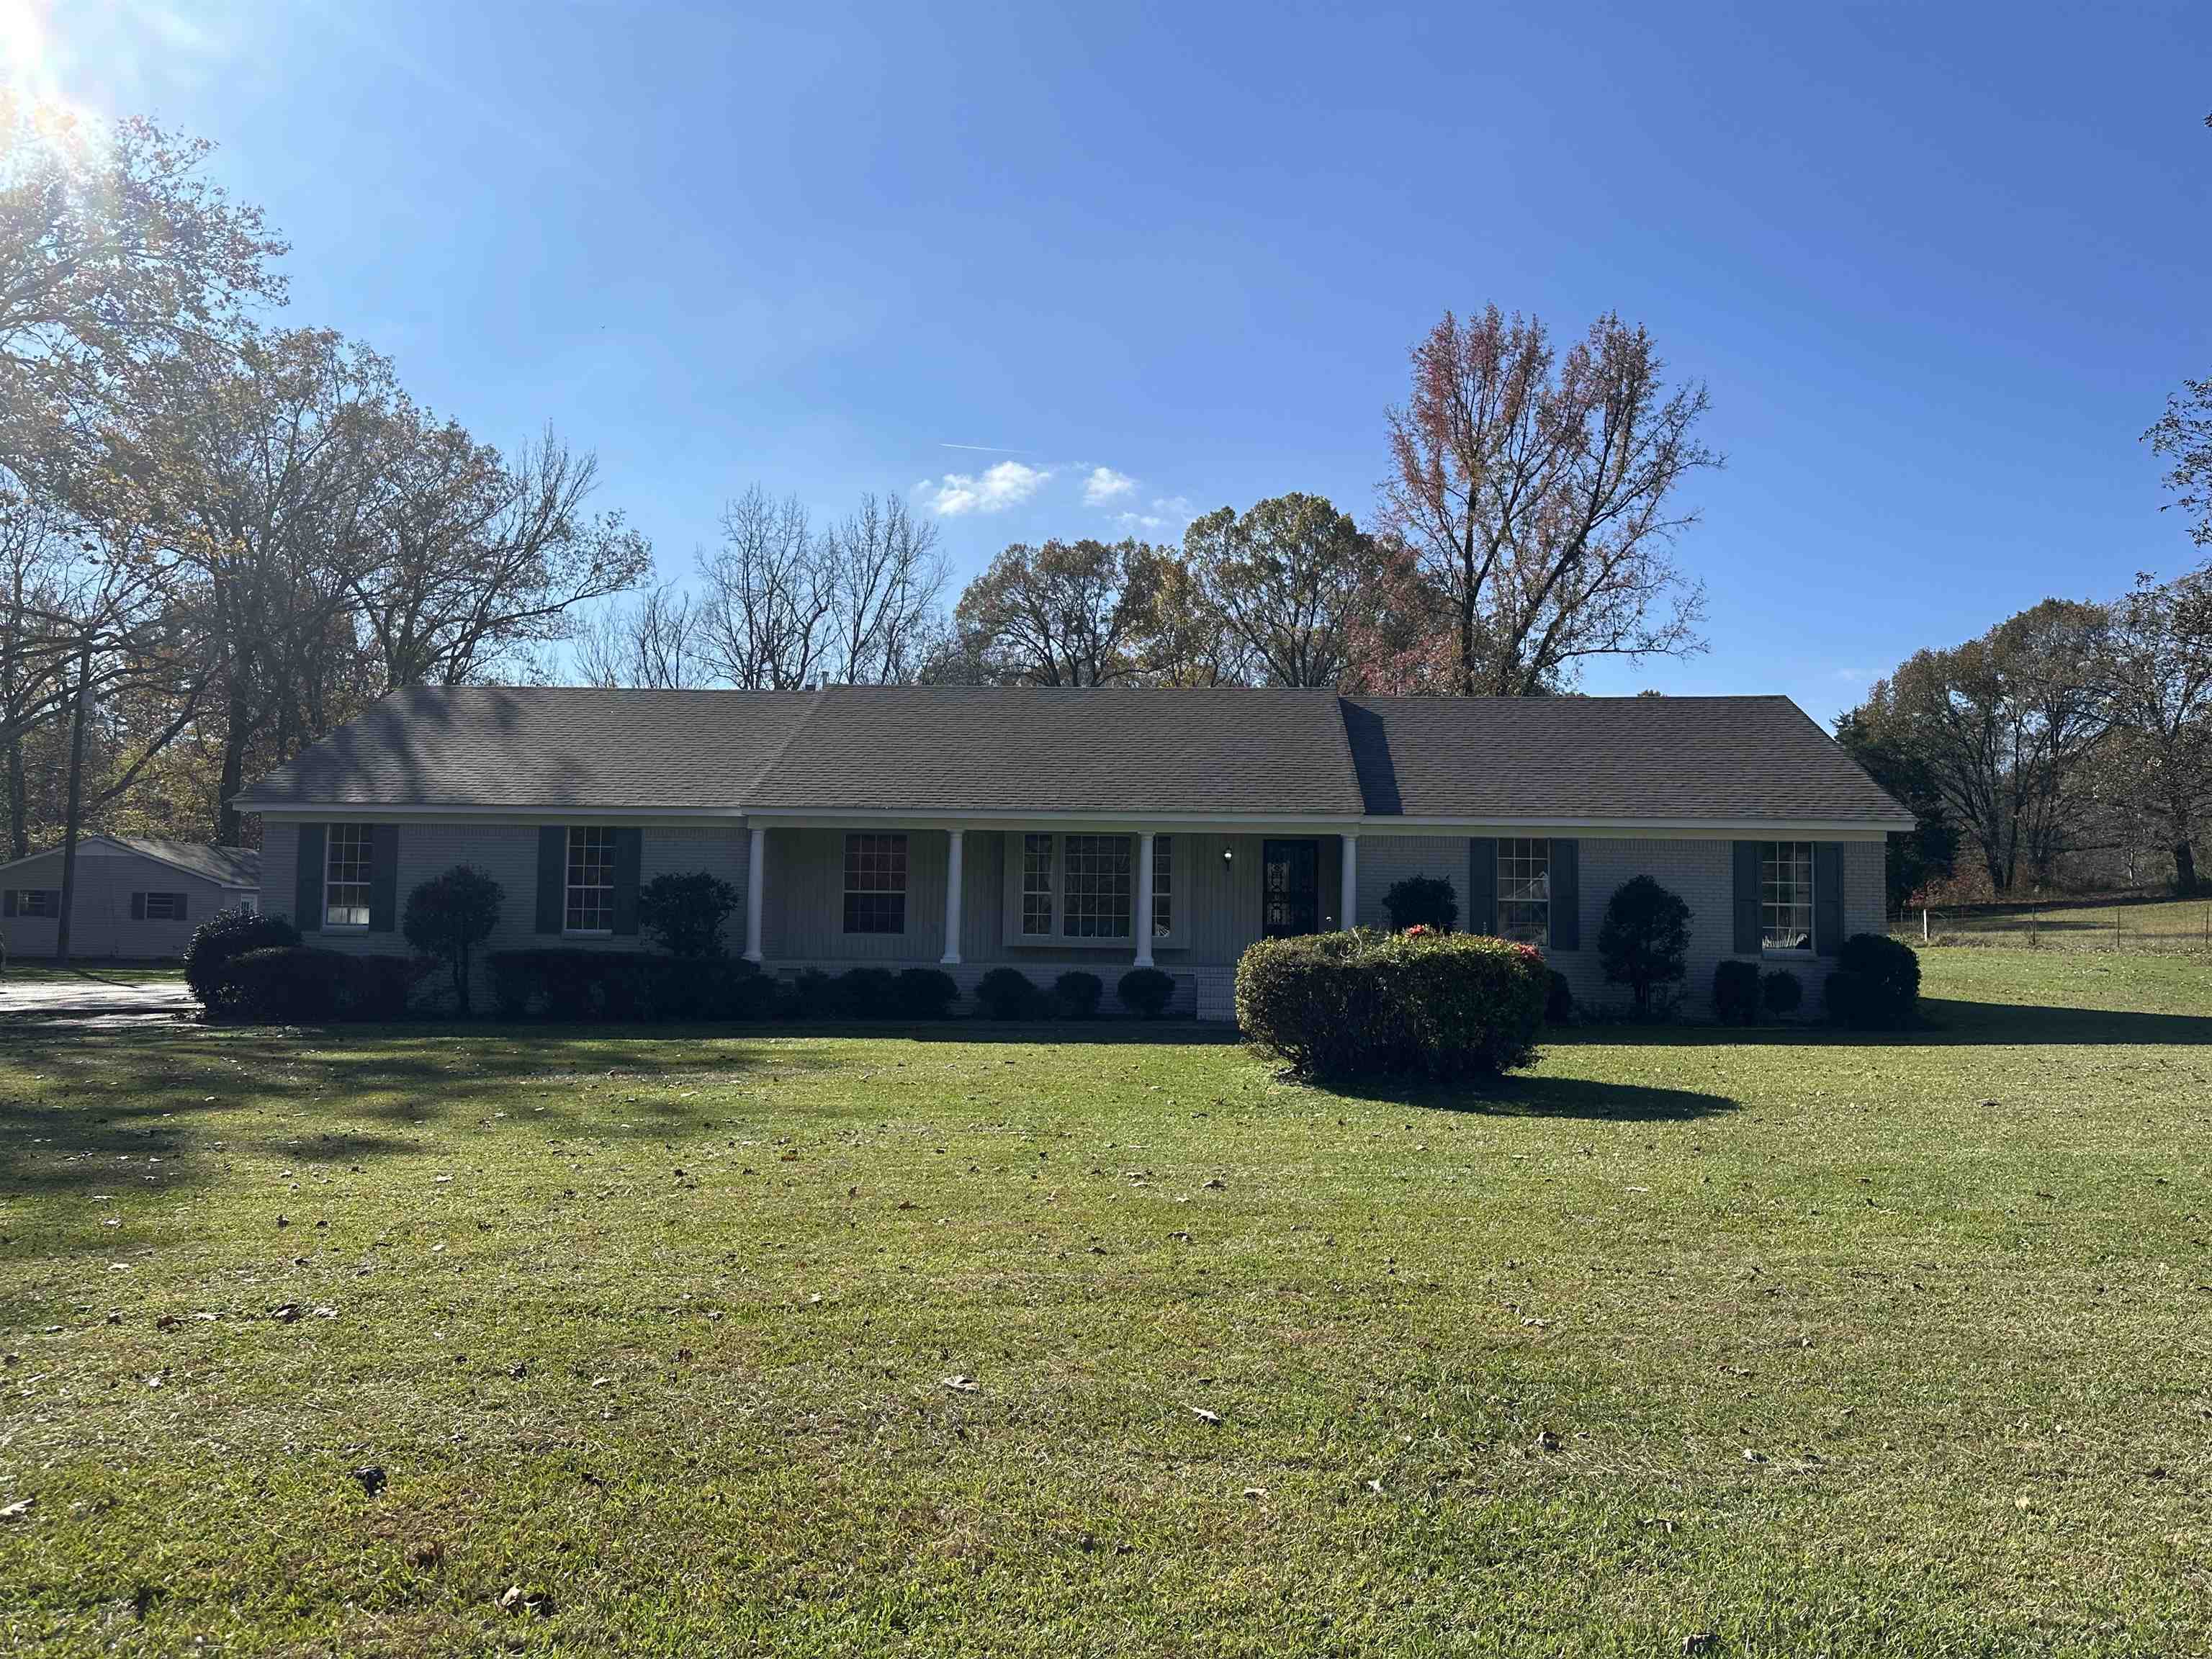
(1735, 992)
(1783, 992)
(1559, 1000)
(1422, 902)
(296, 985)
(574, 986)
(1876, 984)
(1075, 994)
(1008, 993)
(925, 993)
(1341, 1006)
(221, 939)
(1145, 992)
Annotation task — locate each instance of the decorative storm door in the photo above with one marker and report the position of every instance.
(1289, 888)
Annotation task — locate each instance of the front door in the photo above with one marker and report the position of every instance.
(1289, 888)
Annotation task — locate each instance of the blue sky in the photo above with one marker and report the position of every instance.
(1939, 266)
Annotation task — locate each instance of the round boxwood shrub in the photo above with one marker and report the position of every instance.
(1783, 992)
(1075, 994)
(1735, 992)
(925, 993)
(684, 915)
(1145, 992)
(1876, 984)
(220, 940)
(1559, 1000)
(1007, 993)
(865, 993)
(1344, 1006)
(1422, 902)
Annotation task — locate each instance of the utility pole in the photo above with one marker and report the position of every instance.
(76, 803)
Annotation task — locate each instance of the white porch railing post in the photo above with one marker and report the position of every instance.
(1348, 901)
(756, 867)
(952, 860)
(1142, 921)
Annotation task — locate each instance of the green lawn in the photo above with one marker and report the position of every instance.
(1773, 1343)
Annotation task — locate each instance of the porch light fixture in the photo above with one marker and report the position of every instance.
(1228, 856)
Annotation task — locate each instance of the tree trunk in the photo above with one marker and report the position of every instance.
(71, 822)
(2184, 870)
(238, 732)
(19, 810)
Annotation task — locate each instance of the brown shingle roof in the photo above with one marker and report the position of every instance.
(1009, 750)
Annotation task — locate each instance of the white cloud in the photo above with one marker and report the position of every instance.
(1104, 483)
(1174, 506)
(1007, 484)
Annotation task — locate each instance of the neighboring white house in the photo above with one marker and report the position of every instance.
(137, 898)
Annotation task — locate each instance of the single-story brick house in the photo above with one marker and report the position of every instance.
(137, 896)
(966, 827)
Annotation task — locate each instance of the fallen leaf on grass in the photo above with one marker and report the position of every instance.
(372, 1478)
(1204, 1415)
(963, 1383)
(285, 1313)
(18, 1509)
(518, 1600)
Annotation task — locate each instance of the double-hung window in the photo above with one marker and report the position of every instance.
(35, 901)
(1037, 886)
(875, 883)
(1163, 886)
(1525, 890)
(161, 907)
(1786, 895)
(588, 901)
(1095, 896)
(347, 869)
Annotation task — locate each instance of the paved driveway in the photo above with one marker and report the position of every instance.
(93, 999)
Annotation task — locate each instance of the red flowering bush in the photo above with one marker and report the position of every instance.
(1441, 1006)
(1419, 930)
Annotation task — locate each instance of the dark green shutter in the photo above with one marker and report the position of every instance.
(184, 907)
(630, 854)
(552, 875)
(1827, 896)
(137, 907)
(383, 877)
(1747, 898)
(1482, 885)
(307, 881)
(8, 902)
(1566, 895)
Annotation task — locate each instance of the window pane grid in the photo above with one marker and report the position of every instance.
(345, 876)
(1525, 890)
(1786, 895)
(1036, 884)
(1097, 898)
(1163, 886)
(165, 906)
(591, 885)
(875, 883)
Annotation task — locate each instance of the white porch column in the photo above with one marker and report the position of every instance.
(1348, 902)
(1142, 921)
(953, 839)
(756, 864)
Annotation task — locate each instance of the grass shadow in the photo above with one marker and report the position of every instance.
(1953, 1021)
(1516, 1096)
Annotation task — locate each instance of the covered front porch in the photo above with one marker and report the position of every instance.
(1043, 897)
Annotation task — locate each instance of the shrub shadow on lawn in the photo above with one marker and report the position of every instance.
(1516, 1095)
(1945, 1021)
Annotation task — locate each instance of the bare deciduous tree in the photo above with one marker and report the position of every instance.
(1538, 491)
(883, 576)
(650, 642)
(764, 613)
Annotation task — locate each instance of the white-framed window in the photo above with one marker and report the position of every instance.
(1095, 892)
(875, 883)
(347, 865)
(36, 902)
(589, 902)
(1525, 890)
(1163, 886)
(1785, 896)
(1037, 886)
(162, 906)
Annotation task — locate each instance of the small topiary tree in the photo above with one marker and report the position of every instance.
(1075, 994)
(448, 917)
(1735, 992)
(1145, 992)
(1421, 902)
(1645, 941)
(1783, 992)
(684, 915)
(221, 939)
